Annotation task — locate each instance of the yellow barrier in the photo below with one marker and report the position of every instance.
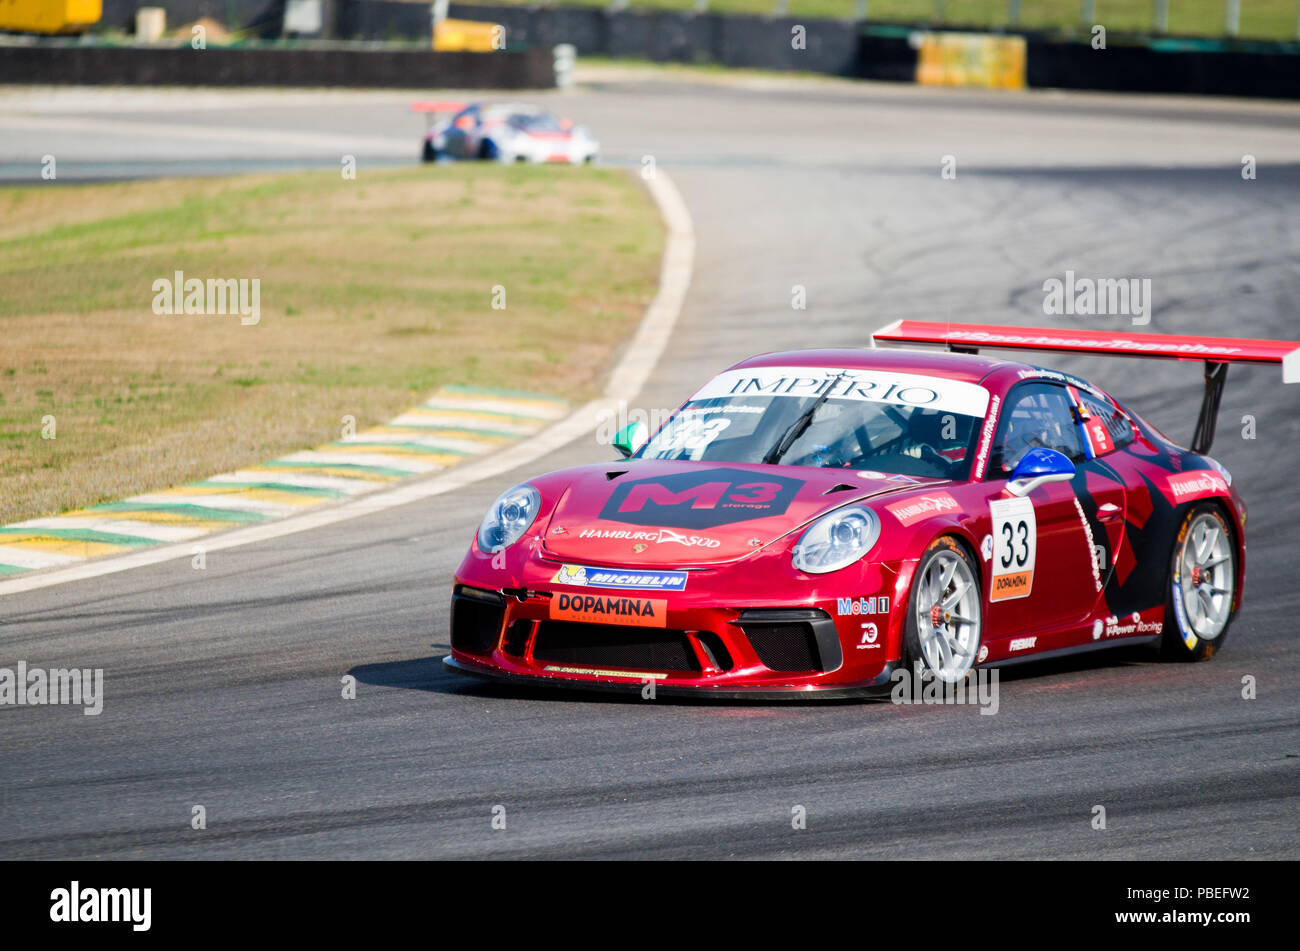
(49, 16)
(467, 36)
(971, 59)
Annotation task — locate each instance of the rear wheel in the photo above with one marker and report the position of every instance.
(429, 153)
(943, 619)
(1202, 585)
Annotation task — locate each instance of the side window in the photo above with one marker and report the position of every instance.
(1037, 416)
(1116, 423)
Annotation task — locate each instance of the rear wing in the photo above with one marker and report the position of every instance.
(437, 105)
(432, 108)
(1215, 352)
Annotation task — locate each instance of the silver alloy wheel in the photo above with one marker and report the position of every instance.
(948, 616)
(1206, 575)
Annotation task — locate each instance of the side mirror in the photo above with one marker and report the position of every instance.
(1039, 466)
(630, 438)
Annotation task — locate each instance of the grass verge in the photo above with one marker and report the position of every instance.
(373, 292)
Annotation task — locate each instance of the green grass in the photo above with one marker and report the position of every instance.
(374, 292)
(1260, 19)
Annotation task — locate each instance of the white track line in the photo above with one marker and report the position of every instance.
(625, 381)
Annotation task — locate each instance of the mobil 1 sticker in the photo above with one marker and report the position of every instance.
(1015, 543)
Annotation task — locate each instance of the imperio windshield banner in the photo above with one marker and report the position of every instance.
(875, 386)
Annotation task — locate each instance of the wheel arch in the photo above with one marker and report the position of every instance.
(961, 536)
(1234, 534)
(964, 537)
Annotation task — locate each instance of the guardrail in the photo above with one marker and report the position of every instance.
(1277, 20)
(875, 50)
(308, 65)
(842, 47)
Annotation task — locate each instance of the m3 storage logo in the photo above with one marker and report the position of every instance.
(625, 578)
(701, 499)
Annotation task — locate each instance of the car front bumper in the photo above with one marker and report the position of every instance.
(739, 629)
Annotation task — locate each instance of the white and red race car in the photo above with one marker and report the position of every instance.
(503, 132)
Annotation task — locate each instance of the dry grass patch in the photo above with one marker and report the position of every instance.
(373, 293)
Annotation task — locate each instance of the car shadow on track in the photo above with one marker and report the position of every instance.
(1111, 659)
(429, 674)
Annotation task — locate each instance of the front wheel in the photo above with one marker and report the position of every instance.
(943, 618)
(1202, 585)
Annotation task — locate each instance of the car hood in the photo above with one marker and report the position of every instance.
(665, 513)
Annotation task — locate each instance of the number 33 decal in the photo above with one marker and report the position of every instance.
(1015, 543)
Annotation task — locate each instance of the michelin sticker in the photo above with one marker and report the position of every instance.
(624, 578)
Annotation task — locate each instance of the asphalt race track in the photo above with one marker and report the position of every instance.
(222, 686)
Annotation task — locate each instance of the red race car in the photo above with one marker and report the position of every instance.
(809, 521)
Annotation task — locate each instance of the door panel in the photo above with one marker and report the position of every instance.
(1056, 581)
(1040, 569)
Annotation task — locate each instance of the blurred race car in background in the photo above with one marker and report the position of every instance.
(809, 521)
(503, 132)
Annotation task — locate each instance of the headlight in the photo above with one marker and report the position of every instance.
(837, 540)
(508, 518)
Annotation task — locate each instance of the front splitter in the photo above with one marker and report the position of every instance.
(879, 686)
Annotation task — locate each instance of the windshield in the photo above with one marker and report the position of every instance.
(536, 122)
(904, 424)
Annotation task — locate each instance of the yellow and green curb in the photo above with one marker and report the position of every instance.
(455, 424)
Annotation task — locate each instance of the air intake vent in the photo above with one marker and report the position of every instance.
(793, 640)
(476, 620)
(784, 647)
(517, 637)
(610, 645)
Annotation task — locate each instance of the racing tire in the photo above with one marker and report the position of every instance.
(1202, 585)
(428, 153)
(944, 618)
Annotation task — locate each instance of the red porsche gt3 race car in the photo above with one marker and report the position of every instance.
(809, 521)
